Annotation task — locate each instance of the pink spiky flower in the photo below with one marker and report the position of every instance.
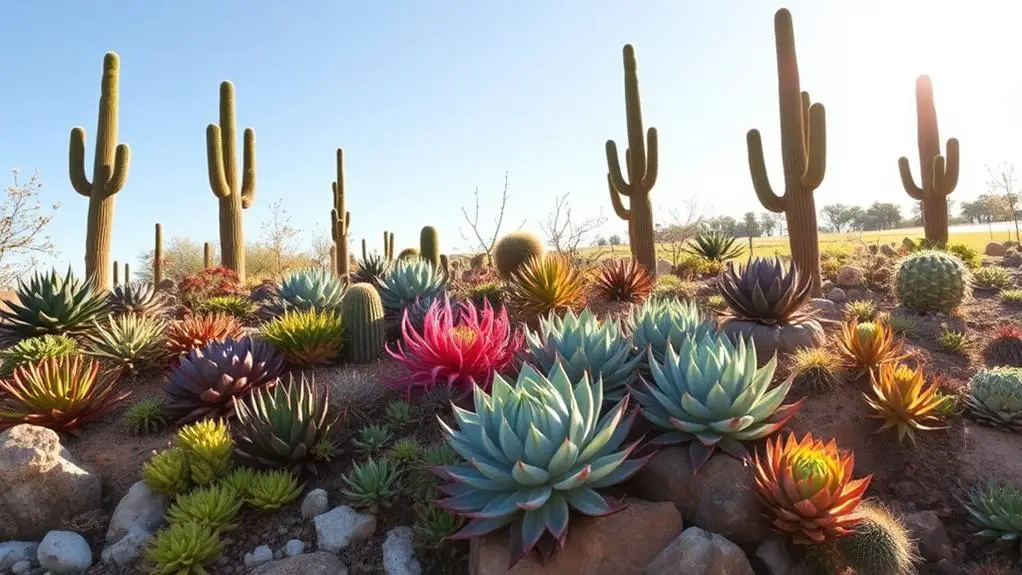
(454, 354)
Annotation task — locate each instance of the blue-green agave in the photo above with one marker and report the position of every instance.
(658, 321)
(710, 394)
(584, 344)
(995, 397)
(996, 509)
(410, 279)
(310, 288)
(535, 451)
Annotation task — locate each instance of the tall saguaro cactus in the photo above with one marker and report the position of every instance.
(340, 220)
(158, 257)
(207, 255)
(939, 174)
(388, 245)
(109, 173)
(641, 162)
(221, 158)
(804, 152)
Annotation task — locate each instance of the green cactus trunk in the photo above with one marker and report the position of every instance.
(804, 153)
(333, 258)
(365, 253)
(340, 222)
(109, 173)
(388, 246)
(429, 246)
(116, 275)
(939, 174)
(207, 255)
(127, 273)
(641, 162)
(365, 330)
(221, 159)
(158, 257)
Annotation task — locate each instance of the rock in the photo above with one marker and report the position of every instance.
(663, 267)
(908, 243)
(264, 291)
(315, 502)
(696, 551)
(399, 553)
(776, 339)
(826, 286)
(854, 294)
(12, 552)
(836, 295)
(824, 305)
(64, 552)
(775, 556)
(41, 485)
(320, 563)
(21, 567)
(141, 507)
(930, 534)
(1012, 258)
(994, 249)
(720, 498)
(341, 526)
(888, 250)
(128, 549)
(622, 544)
(260, 555)
(990, 454)
(294, 547)
(849, 276)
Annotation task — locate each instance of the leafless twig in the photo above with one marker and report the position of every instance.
(22, 221)
(565, 235)
(486, 245)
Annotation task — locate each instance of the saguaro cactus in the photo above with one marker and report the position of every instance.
(109, 173)
(117, 270)
(340, 220)
(939, 174)
(365, 252)
(429, 246)
(158, 257)
(641, 163)
(804, 151)
(127, 273)
(221, 159)
(207, 255)
(388, 245)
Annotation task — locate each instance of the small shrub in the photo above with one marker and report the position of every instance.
(210, 282)
(968, 254)
(490, 291)
(308, 337)
(209, 446)
(816, 369)
(214, 506)
(273, 489)
(240, 307)
(398, 412)
(953, 341)
(861, 310)
(145, 417)
(372, 484)
(1006, 347)
(183, 549)
(902, 325)
(670, 286)
(716, 302)
(35, 349)
(991, 278)
(1012, 297)
(198, 330)
(168, 471)
(829, 269)
(372, 438)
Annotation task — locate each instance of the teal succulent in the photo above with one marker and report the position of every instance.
(995, 397)
(710, 394)
(996, 509)
(658, 321)
(931, 281)
(535, 450)
(370, 269)
(372, 484)
(583, 344)
(372, 438)
(311, 288)
(410, 279)
(49, 304)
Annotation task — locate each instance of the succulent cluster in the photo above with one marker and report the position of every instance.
(995, 397)
(931, 281)
(307, 337)
(408, 280)
(50, 304)
(132, 342)
(903, 401)
(624, 280)
(547, 284)
(309, 289)
(198, 330)
(35, 349)
(658, 322)
(765, 291)
(140, 298)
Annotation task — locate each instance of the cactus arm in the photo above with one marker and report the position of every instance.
(248, 174)
(615, 200)
(215, 161)
(122, 156)
(949, 180)
(617, 179)
(652, 160)
(760, 180)
(76, 163)
(816, 146)
(915, 192)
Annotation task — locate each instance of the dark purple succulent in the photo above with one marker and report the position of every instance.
(765, 291)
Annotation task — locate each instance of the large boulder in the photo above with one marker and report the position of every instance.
(698, 551)
(994, 249)
(622, 543)
(776, 339)
(41, 485)
(849, 276)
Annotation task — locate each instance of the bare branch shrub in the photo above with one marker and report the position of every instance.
(480, 240)
(22, 223)
(565, 234)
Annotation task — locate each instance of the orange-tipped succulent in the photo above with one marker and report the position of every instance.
(867, 345)
(902, 399)
(808, 487)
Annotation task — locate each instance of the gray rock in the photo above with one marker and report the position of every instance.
(775, 555)
(141, 507)
(823, 304)
(697, 551)
(315, 502)
(21, 567)
(1012, 258)
(12, 552)
(41, 485)
(258, 556)
(341, 526)
(294, 547)
(663, 267)
(837, 295)
(849, 276)
(399, 554)
(776, 339)
(64, 552)
(320, 563)
(127, 550)
(930, 535)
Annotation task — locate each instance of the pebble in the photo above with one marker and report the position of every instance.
(398, 553)
(21, 567)
(64, 551)
(260, 555)
(316, 502)
(341, 526)
(294, 547)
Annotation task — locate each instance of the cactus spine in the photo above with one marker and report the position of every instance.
(158, 257)
(939, 174)
(340, 221)
(116, 279)
(207, 255)
(221, 159)
(362, 313)
(641, 162)
(429, 246)
(804, 150)
(388, 246)
(109, 173)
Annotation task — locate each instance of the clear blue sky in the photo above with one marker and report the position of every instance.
(431, 99)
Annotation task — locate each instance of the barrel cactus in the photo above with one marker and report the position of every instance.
(362, 314)
(931, 280)
(514, 250)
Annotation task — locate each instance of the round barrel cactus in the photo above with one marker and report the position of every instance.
(514, 250)
(931, 280)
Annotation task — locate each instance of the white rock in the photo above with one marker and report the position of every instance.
(258, 556)
(315, 503)
(64, 552)
(398, 553)
(21, 567)
(823, 304)
(141, 507)
(294, 547)
(128, 549)
(12, 552)
(341, 526)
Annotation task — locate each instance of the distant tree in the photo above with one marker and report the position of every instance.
(1003, 181)
(601, 242)
(321, 244)
(768, 223)
(615, 240)
(882, 216)
(838, 216)
(725, 224)
(279, 237)
(566, 233)
(23, 221)
(750, 226)
(181, 257)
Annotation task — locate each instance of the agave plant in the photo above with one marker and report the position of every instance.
(583, 344)
(307, 337)
(546, 284)
(995, 397)
(270, 490)
(456, 355)
(657, 322)
(207, 381)
(554, 452)
(370, 269)
(996, 509)
(624, 280)
(710, 394)
(309, 289)
(130, 341)
(864, 346)
(198, 330)
(35, 349)
(903, 401)
(61, 393)
(417, 311)
(765, 291)
(407, 280)
(49, 304)
(183, 548)
(715, 246)
(808, 488)
(372, 484)
(140, 298)
(280, 426)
